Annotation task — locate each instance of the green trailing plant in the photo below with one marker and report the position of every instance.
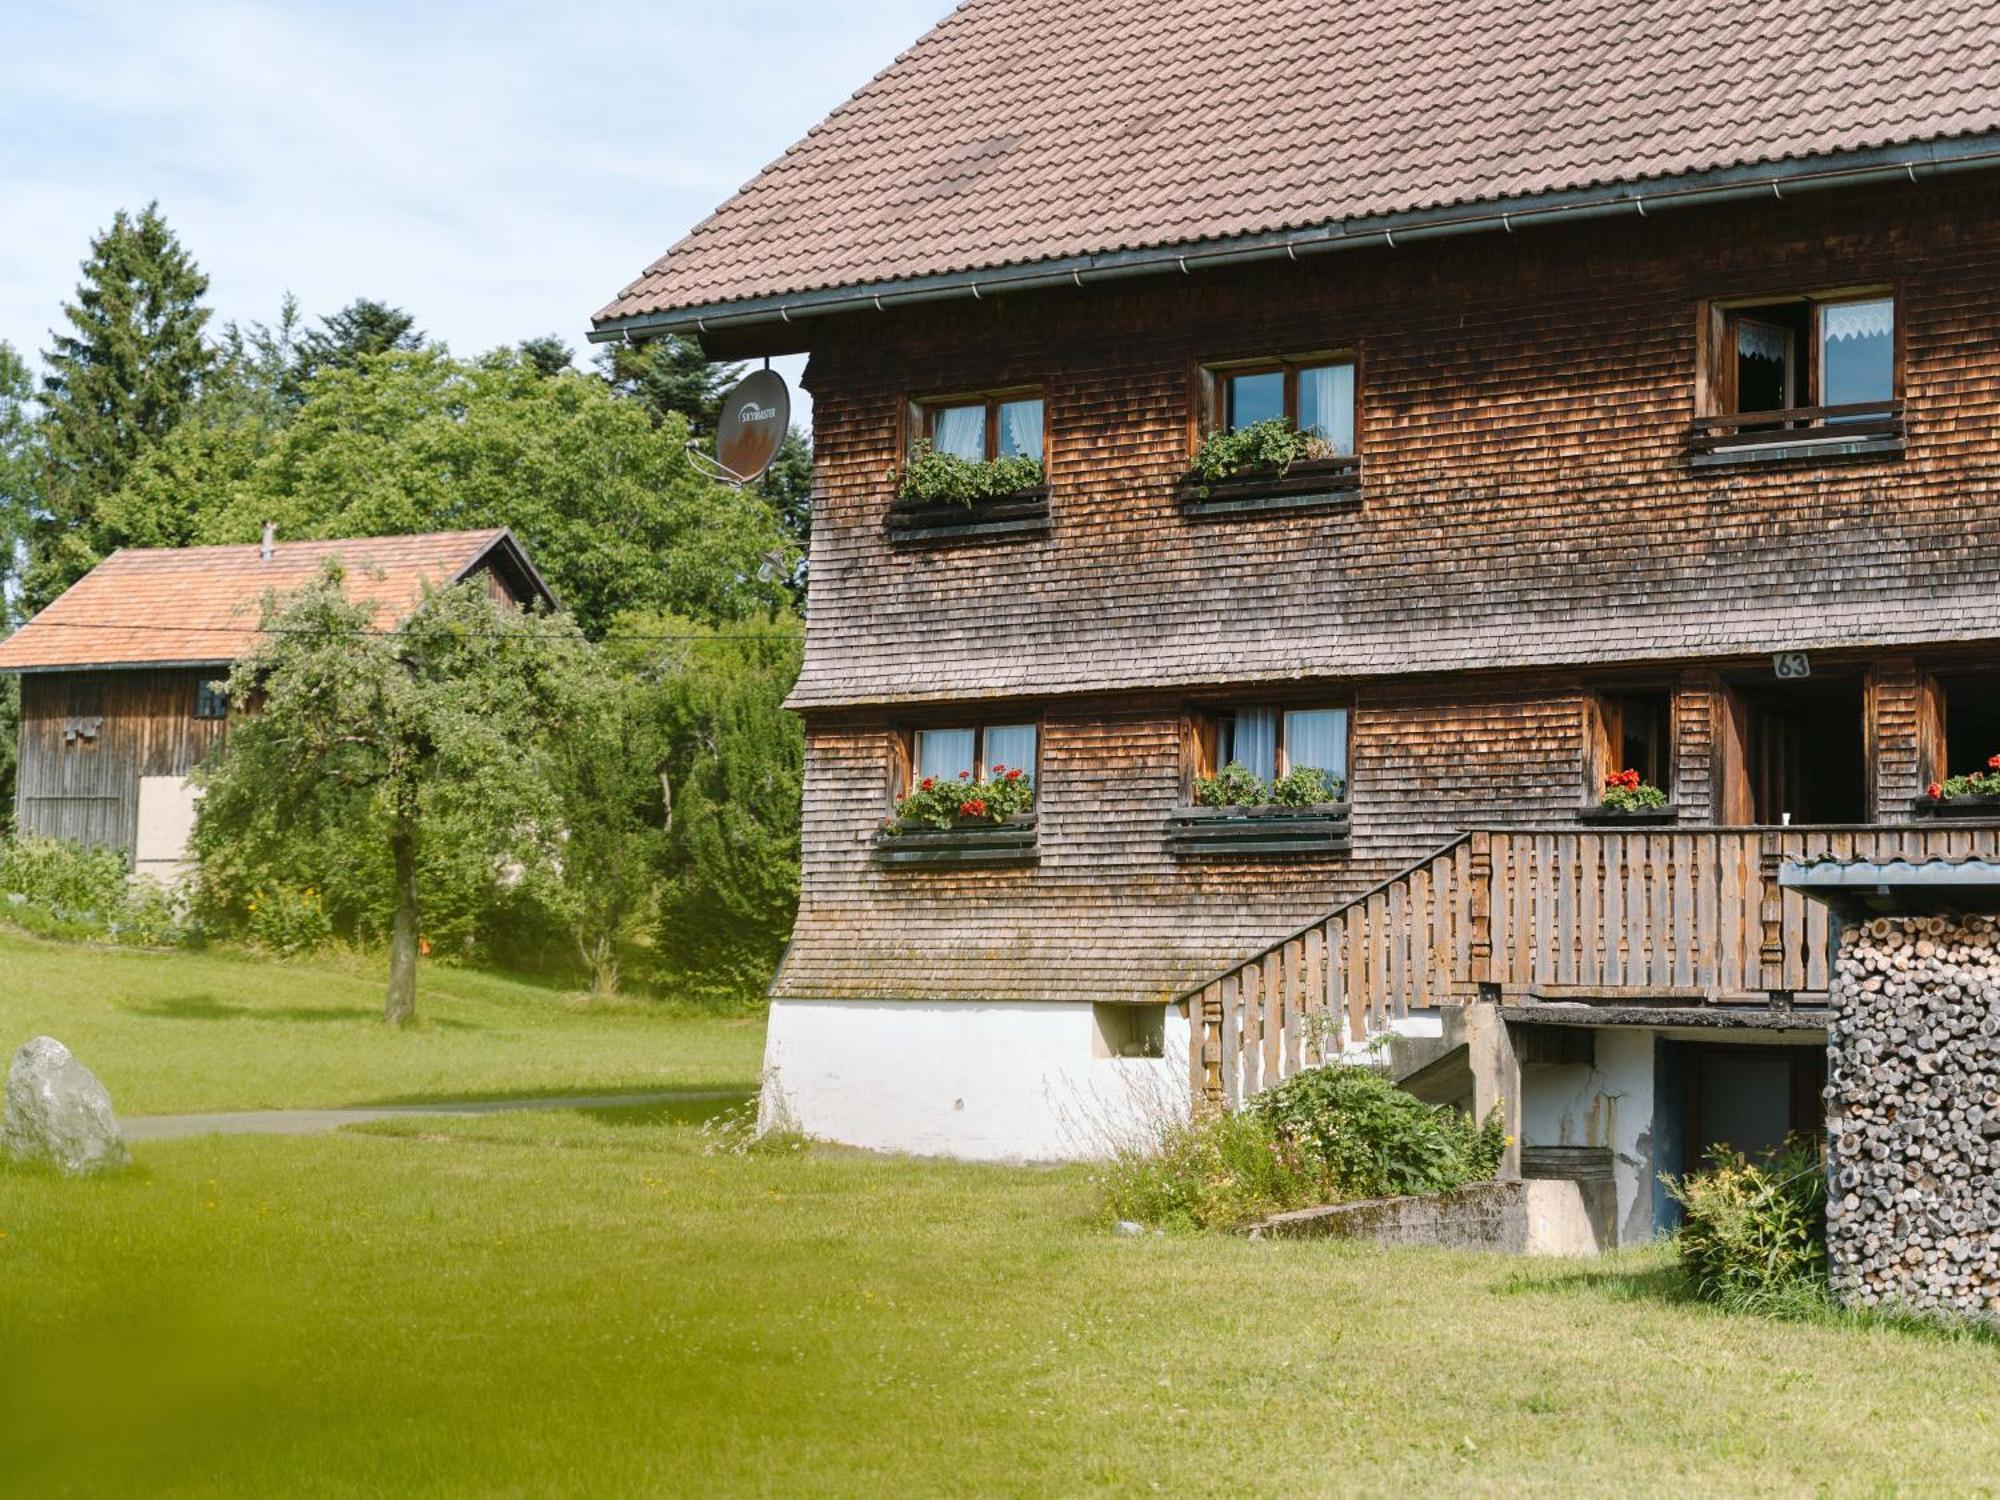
(934, 478)
(1263, 447)
(1984, 783)
(937, 803)
(1754, 1235)
(1624, 791)
(1235, 785)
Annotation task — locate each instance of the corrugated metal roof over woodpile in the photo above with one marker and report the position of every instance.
(1020, 131)
(142, 607)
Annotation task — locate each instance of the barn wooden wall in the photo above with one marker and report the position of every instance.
(88, 790)
(1528, 522)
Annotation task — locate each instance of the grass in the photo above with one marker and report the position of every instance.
(586, 1304)
(181, 1032)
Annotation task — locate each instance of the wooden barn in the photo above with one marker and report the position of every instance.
(1639, 379)
(121, 677)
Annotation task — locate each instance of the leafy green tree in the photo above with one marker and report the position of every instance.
(428, 731)
(670, 376)
(734, 763)
(548, 355)
(17, 469)
(606, 502)
(346, 338)
(131, 363)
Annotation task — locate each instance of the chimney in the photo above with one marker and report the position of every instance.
(270, 541)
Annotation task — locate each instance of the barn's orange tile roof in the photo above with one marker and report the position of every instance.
(1022, 131)
(147, 607)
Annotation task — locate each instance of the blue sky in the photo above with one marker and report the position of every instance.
(500, 170)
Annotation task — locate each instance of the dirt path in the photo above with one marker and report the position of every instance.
(316, 1121)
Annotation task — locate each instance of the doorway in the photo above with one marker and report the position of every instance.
(1800, 752)
(1708, 1095)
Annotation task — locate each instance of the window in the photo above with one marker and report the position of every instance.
(211, 701)
(975, 753)
(978, 428)
(1315, 396)
(1273, 742)
(1824, 368)
(1633, 732)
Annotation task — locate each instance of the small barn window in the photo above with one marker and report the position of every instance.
(1314, 395)
(1006, 424)
(211, 701)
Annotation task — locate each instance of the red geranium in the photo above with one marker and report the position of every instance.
(1994, 764)
(1622, 778)
(1013, 775)
(972, 807)
(965, 776)
(1934, 791)
(927, 783)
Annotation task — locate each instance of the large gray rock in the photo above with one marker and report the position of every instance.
(58, 1113)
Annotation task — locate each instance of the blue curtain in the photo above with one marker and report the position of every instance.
(1252, 741)
(1021, 431)
(943, 753)
(961, 432)
(1317, 738)
(1012, 746)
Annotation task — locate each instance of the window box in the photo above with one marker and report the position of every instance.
(1968, 805)
(1231, 832)
(1309, 484)
(1637, 817)
(1023, 513)
(984, 844)
(1870, 429)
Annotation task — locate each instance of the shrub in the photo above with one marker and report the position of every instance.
(934, 478)
(945, 804)
(288, 921)
(74, 891)
(1211, 1172)
(1305, 787)
(1754, 1237)
(1625, 792)
(1273, 446)
(1327, 1135)
(69, 880)
(1365, 1138)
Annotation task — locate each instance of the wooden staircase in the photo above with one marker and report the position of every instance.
(1650, 917)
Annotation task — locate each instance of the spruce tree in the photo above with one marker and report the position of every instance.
(361, 328)
(131, 362)
(670, 374)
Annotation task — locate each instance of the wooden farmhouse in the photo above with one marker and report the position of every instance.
(1625, 385)
(122, 676)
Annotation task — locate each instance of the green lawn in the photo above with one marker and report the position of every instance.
(578, 1305)
(171, 1032)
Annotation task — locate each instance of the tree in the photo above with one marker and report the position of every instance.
(362, 328)
(548, 355)
(17, 477)
(130, 365)
(427, 731)
(605, 501)
(734, 758)
(669, 376)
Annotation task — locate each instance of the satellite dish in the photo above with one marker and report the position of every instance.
(756, 415)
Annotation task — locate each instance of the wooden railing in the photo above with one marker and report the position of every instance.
(1864, 421)
(1676, 916)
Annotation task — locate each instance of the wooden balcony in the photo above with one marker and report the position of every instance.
(1651, 918)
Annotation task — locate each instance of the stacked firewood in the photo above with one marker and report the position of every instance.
(1913, 1115)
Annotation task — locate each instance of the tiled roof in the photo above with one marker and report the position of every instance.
(1019, 131)
(200, 604)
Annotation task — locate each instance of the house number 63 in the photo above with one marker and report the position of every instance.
(1792, 664)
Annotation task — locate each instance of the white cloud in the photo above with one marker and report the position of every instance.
(500, 170)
